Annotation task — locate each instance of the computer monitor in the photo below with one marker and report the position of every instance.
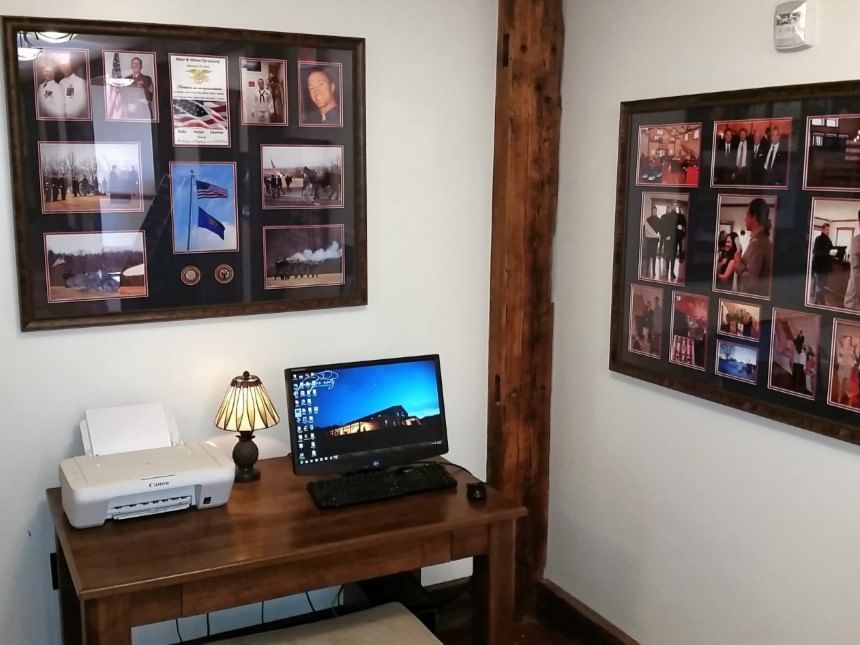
(349, 417)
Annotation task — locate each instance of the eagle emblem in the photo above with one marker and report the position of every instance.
(199, 75)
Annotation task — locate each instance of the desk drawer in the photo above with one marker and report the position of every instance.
(264, 581)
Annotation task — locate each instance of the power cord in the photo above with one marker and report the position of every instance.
(178, 633)
(308, 596)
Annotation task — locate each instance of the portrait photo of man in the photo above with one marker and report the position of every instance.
(62, 85)
(319, 94)
(130, 86)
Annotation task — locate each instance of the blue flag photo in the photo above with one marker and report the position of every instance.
(204, 197)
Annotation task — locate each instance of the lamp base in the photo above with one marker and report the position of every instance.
(245, 454)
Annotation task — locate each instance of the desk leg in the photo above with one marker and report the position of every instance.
(70, 606)
(107, 621)
(493, 580)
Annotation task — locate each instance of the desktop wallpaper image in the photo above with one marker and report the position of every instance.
(405, 392)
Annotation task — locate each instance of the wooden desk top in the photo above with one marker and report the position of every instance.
(268, 522)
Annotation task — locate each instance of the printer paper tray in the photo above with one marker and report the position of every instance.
(150, 508)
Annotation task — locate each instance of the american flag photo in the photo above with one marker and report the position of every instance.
(203, 206)
(199, 114)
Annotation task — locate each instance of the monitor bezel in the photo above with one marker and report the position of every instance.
(371, 459)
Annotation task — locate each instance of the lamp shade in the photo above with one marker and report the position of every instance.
(246, 406)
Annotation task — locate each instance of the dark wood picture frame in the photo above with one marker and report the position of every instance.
(214, 282)
(791, 253)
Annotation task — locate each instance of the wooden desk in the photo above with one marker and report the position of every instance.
(271, 541)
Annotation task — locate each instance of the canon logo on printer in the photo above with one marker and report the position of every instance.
(157, 484)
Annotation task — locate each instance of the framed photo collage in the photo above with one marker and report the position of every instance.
(737, 251)
(167, 172)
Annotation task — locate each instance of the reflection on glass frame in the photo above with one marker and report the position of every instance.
(95, 266)
(136, 203)
(62, 85)
(771, 262)
(300, 176)
(131, 87)
(85, 177)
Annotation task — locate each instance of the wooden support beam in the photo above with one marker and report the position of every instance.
(525, 195)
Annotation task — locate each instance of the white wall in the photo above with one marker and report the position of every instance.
(430, 94)
(684, 522)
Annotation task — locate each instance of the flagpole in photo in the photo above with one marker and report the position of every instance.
(191, 189)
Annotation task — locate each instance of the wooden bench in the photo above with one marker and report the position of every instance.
(389, 624)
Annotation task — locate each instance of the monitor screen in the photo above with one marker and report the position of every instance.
(372, 414)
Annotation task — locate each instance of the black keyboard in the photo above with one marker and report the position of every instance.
(382, 484)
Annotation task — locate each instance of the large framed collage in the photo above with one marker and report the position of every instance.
(166, 172)
(736, 271)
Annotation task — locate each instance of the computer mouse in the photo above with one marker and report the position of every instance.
(476, 491)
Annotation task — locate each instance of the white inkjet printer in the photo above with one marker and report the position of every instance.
(135, 466)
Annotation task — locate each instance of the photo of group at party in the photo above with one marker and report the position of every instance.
(669, 155)
(739, 319)
(645, 332)
(833, 264)
(794, 349)
(743, 257)
(844, 386)
(663, 241)
(751, 153)
(832, 153)
(689, 330)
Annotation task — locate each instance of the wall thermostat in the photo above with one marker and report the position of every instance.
(793, 26)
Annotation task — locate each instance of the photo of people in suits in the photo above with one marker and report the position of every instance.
(794, 349)
(62, 79)
(743, 257)
(739, 319)
(663, 237)
(130, 86)
(645, 331)
(833, 263)
(737, 361)
(669, 155)
(264, 84)
(843, 390)
(751, 153)
(832, 153)
(689, 330)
